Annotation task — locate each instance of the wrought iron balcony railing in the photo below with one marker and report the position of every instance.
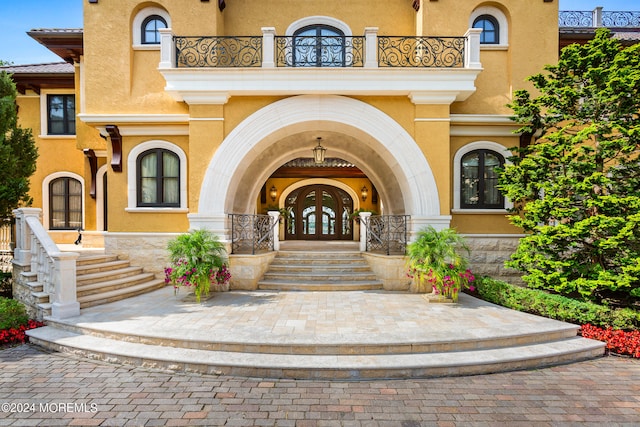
(387, 234)
(320, 51)
(252, 233)
(218, 51)
(369, 51)
(402, 51)
(599, 18)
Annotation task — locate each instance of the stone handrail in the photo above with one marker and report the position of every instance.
(54, 269)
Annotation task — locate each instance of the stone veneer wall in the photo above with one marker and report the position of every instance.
(147, 250)
(488, 254)
(24, 293)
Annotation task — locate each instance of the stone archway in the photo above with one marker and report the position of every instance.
(225, 187)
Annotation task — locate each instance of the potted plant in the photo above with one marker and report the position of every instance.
(356, 214)
(197, 259)
(435, 263)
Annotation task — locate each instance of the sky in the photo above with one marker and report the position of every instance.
(19, 16)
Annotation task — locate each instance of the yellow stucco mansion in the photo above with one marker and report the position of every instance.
(171, 115)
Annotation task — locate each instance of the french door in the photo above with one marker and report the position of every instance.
(319, 212)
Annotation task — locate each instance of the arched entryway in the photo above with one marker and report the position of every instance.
(318, 212)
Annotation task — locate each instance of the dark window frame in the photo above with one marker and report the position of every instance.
(496, 28)
(143, 29)
(318, 28)
(68, 119)
(482, 184)
(67, 205)
(160, 152)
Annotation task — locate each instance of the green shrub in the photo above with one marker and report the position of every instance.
(12, 314)
(556, 306)
(6, 284)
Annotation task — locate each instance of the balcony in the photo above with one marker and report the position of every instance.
(598, 18)
(427, 69)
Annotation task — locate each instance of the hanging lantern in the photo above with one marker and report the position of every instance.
(318, 152)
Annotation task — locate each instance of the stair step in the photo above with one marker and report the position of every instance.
(95, 259)
(99, 267)
(313, 268)
(343, 276)
(110, 285)
(86, 279)
(42, 297)
(313, 366)
(118, 294)
(301, 285)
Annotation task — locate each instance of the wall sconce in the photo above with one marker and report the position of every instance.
(318, 152)
(273, 193)
(364, 192)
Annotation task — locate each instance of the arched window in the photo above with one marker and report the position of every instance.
(318, 46)
(479, 180)
(146, 25)
(65, 204)
(495, 27)
(150, 27)
(490, 29)
(158, 179)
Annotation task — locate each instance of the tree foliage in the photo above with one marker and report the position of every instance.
(18, 152)
(576, 186)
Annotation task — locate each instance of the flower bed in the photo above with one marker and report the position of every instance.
(17, 335)
(618, 341)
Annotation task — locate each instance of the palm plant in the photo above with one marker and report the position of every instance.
(195, 259)
(434, 259)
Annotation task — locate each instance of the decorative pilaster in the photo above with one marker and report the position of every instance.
(268, 47)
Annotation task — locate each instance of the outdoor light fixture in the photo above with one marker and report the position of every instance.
(364, 192)
(318, 152)
(273, 193)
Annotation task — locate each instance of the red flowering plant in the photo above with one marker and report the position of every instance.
(17, 335)
(617, 340)
(435, 262)
(196, 259)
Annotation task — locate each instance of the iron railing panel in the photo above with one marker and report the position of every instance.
(319, 51)
(251, 233)
(409, 51)
(387, 233)
(218, 52)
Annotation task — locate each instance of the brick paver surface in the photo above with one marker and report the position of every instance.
(39, 388)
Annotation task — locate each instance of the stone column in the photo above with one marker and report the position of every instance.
(65, 303)
(275, 217)
(364, 217)
(371, 47)
(268, 47)
(22, 252)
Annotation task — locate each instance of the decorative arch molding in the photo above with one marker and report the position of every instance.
(266, 126)
(318, 20)
(132, 180)
(322, 181)
(45, 194)
(457, 185)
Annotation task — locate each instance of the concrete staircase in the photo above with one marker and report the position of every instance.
(319, 271)
(100, 279)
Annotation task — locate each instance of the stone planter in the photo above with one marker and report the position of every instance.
(438, 299)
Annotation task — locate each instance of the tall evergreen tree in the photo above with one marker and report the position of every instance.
(576, 186)
(18, 152)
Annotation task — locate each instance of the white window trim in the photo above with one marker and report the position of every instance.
(318, 20)
(136, 29)
(132, 198)
(477, 145)
(45, 195)
(44, 116)
(503, 43)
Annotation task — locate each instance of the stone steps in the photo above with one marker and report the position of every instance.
(327, 362)
(319, 271)
(100, 279)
